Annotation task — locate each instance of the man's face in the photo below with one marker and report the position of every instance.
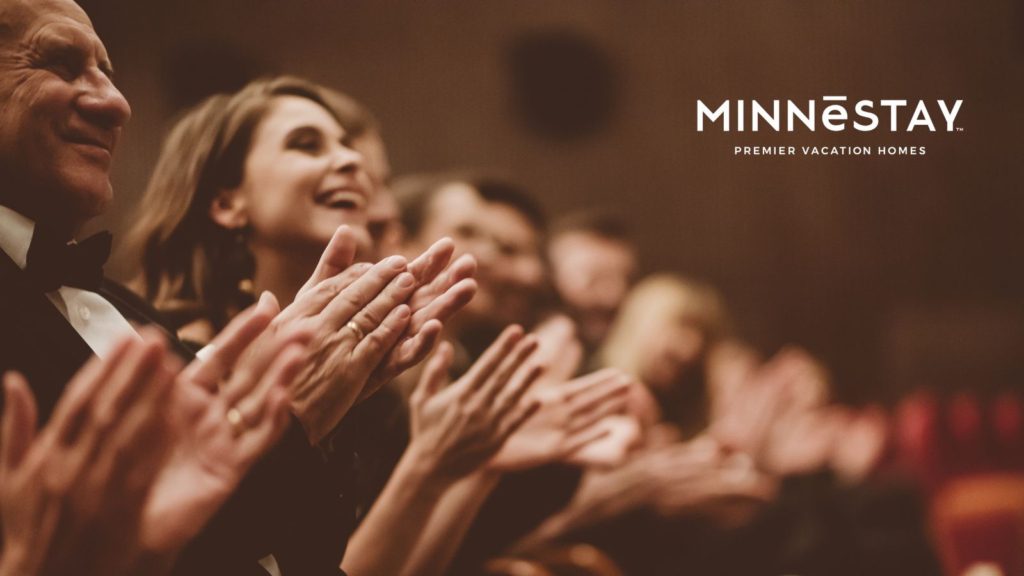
(506, 247)
(60, 114)
(592, 275)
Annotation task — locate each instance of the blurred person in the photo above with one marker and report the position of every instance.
(663, 335)
(593, 264)
(384, 216)
(496, 222)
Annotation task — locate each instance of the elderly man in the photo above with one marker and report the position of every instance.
(60, 119)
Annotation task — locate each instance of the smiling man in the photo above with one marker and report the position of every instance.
(61, 114)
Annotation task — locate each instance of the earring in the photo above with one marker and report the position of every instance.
(245, 286)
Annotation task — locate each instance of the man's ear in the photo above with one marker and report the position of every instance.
(229, 210)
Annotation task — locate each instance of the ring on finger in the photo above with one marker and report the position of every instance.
(351, 325)
(237, 421)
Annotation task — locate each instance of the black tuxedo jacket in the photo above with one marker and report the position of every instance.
(289, 505)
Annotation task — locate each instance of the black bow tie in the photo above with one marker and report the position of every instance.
(52, 263)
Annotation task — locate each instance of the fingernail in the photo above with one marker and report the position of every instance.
(403, 312)
(395, 262)
(405, 280)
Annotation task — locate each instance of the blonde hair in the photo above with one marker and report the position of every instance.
(659, 298)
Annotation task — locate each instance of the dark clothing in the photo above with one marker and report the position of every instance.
(518, 505)
(815, 526)
(287, 505)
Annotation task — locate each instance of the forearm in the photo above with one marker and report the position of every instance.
(449, 523)
(387, 536)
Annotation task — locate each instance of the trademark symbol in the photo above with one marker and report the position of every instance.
(959, 128)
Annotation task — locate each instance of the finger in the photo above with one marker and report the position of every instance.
(93, 451)
(130, 377)
(448, 303)
(129, 456)
(19, 425)
(412, 351)
(428, 265)
(360, 293)
(70, 411)
(584, 436)
(408, 353)
(316, 298)
(525, 377)
(597, 411)
(517, 418)
(338, 256)
(435, 373)
(600, 392)
(587, 382)
(284, 367)
(464, 267)
(489, 361)
(395, 293)
(371, 350)
(509, 365)
(248, 374)
(258, 439)
(228, 346)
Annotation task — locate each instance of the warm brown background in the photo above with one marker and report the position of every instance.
(898, 271)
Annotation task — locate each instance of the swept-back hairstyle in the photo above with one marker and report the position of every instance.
(192, 267)
(416, 192)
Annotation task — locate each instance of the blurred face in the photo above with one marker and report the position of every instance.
(60, 114)
(383, 215)
(592, 275)
(505, 245)
(302, 180)
(673, 347)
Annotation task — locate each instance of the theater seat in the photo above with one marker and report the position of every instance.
(979, 519)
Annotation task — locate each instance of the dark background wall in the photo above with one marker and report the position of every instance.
(897, 271)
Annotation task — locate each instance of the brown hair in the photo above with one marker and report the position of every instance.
(191, 266)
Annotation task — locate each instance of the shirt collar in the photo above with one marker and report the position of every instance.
(15, 235)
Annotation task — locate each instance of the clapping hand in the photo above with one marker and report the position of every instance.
(568, 419)
(458, 427)
(227, 408)
(368, 323)
(72, 494)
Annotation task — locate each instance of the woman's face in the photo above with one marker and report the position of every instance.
(301, 180)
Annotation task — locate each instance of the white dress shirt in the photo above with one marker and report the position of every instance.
(95, 319)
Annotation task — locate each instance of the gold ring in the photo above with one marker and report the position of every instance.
(237, 421)
(351, 325)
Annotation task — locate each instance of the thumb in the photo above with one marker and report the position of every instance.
(19, 421)
(338, 255)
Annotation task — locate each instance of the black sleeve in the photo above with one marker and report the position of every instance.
(285, 505)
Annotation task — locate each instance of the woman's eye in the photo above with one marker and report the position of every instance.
(306, 144)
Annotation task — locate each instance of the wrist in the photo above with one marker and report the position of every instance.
(422, 465)
(14, 562)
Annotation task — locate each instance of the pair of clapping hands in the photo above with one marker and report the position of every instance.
(517, 407)
(142, 450)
